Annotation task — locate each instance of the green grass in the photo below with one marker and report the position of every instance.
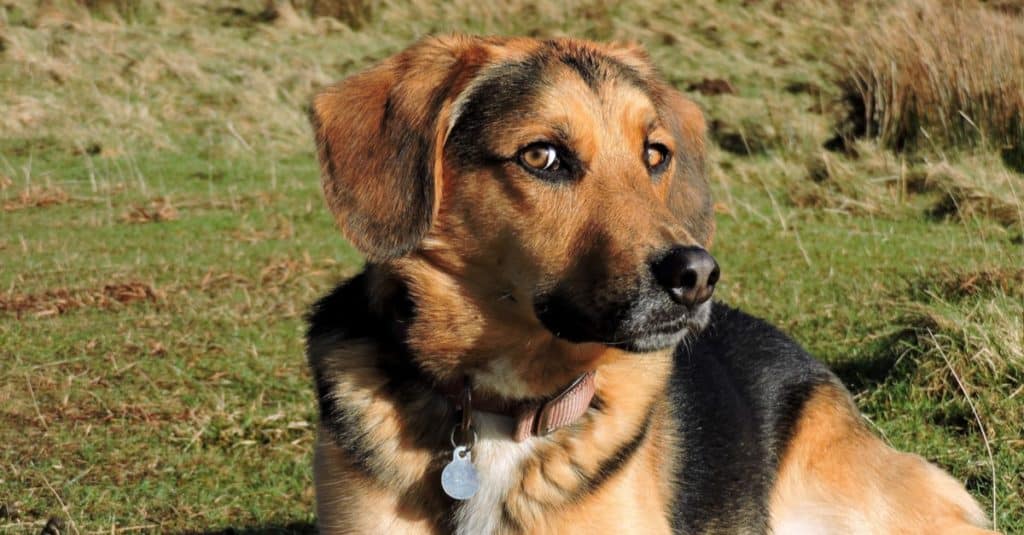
(162, 232)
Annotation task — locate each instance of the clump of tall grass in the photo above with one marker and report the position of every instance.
(932, 73)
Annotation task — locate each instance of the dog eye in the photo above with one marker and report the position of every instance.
(656, 157)
(540, 157)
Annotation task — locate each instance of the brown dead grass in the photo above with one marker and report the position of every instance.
(60, 300)
(963, 284)
(934, 73)
(155, 211)
(276, 274)
(953, 285)
(837, 185)
(281, 229)
(36, 197)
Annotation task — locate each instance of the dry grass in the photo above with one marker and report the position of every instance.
(61, 300)
(869, 185)
(967, 188)
(35, 197)
(960, 284)
(157, 210)
(933, 73)
(964, 194)
(982, 338)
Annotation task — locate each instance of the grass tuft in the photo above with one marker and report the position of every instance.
(933, 73)
(957, 358)
(961, 284)
(966, 194)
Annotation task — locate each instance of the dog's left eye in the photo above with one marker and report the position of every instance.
(656, 157)
(540, 157)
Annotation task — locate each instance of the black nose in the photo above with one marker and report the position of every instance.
(688, 274)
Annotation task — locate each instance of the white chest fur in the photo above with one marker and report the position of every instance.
(497, 459)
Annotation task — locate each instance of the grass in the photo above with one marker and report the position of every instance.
(933, 73)
(163, 233)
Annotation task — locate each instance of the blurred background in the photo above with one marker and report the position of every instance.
(162, 230)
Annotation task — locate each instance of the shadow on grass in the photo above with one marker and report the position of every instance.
(875, 366)
(273, 529)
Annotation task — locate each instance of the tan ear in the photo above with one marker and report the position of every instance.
(379, 135)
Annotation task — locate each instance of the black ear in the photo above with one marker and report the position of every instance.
(379, 135)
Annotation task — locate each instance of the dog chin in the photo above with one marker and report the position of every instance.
(655, 338)
(655, 342)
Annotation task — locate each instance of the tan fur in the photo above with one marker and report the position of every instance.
(347, 502)
(837, 477)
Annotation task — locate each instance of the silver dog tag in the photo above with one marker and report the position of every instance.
(459, 479)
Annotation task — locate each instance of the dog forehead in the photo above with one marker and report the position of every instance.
(556, 78)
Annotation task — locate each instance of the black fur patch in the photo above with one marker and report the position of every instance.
(345, 314)
(737, 391)
(508, 90)
(587, 65)
(594, 67)
(614, 464)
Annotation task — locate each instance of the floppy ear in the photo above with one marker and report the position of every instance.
(379, 136)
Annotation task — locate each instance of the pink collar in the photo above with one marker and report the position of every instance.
(534, 418)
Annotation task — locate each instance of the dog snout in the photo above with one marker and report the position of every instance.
(688, 274)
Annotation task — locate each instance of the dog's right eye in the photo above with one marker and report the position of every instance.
(540, 157)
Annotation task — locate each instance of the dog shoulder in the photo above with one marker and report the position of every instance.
(737, 390)
(755, 367)
(774, 440)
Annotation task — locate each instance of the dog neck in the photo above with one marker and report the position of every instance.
(534, 418)
(533, 412)
(380, 403)
(451, 331)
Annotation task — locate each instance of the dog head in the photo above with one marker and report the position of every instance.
(554, 188)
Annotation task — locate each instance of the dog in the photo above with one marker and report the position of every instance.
(532, 346)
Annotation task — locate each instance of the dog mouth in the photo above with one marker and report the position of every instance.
(640, 327)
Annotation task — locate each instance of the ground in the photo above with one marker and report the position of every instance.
(163, 233)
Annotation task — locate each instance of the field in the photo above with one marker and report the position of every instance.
(162, 233)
